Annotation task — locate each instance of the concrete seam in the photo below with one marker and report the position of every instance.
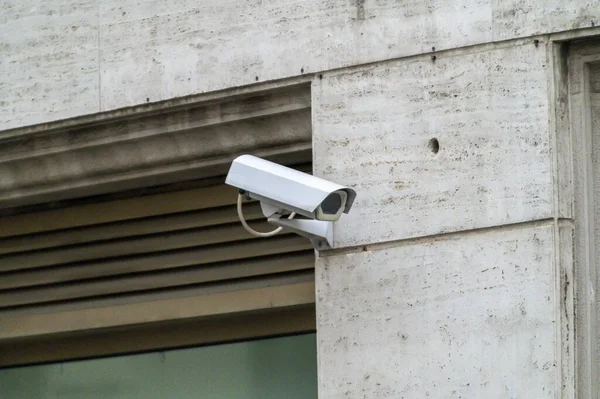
(99, 58)
(550, 221)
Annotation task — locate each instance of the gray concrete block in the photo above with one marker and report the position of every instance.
(488, 110)
(48, 61)
(469, 316)
(56, 55)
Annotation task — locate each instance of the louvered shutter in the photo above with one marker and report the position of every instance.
(138, 264)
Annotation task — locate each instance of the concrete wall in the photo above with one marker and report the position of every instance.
(61, 59)
(488, 109)
(466, 316)
(446, 285)
(595, 125)
(583, 100)
(452, 275)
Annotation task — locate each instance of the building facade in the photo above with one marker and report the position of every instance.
(469, 129)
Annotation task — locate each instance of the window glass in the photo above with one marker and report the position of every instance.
(275, 368)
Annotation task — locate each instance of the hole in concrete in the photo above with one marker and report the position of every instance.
(434, 145)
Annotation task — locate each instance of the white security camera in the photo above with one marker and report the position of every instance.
(283, 191)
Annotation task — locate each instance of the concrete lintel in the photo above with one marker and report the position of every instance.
(168, 145)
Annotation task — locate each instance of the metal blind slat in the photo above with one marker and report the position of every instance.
(130, 246)
(157, 224)
(134, 283)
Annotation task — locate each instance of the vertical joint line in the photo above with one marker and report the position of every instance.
(99, 56)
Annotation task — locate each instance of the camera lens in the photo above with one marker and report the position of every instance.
(332, 204)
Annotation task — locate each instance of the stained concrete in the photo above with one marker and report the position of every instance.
(179, 144)
(594, 105)
(48, 61)
(83, 56)
(488, 111)
(583, 128)
(422, 302)
(433, 306)
(468, 316)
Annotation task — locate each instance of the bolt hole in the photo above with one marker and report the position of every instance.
(147, 99)
(302, 70)
(433, 58)
(320, 76)
(434, 145)
(256, 78)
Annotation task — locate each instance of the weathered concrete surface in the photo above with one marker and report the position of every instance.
(48, 60)
(181, 47)
(594, 84)
(177, 44)
(594, 103)
(582, 88)
(489, 112)
(153, 50)
(519, 18)
(468, 316)
(184, 143)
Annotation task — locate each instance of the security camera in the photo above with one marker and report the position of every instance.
(285, 192)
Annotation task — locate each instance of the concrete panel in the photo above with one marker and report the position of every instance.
(583, 131)
(594, 102)
(521, 18)
(156, 49)
(468, 316)
(153, 148)
(153, 50)
(48, 61)
(489, 112)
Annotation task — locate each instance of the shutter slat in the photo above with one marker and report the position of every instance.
(189, 276)
(157, 224)
(154, 243)
(157, 261)
(126, 209)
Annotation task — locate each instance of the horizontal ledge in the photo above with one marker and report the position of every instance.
(132, 178)
(167, 122)
(158, 336)
(172, 144)
(141, 110)
(218, 304)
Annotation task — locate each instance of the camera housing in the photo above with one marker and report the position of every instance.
(282, 190)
